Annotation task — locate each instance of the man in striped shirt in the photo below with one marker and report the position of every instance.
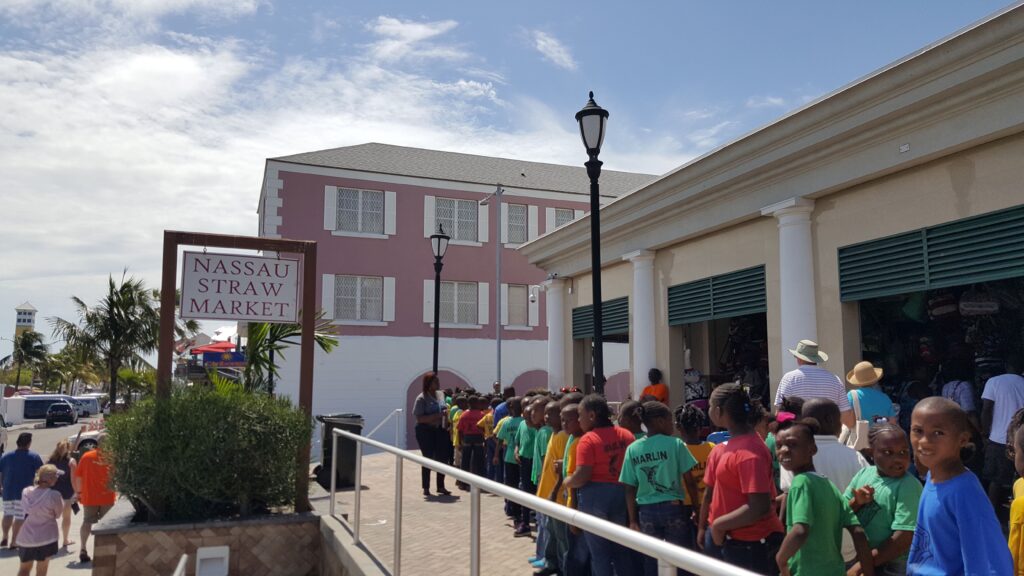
(810, 381)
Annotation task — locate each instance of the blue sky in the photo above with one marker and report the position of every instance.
(122, 118)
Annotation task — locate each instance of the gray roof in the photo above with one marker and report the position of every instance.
(454, 166)
(27, 307)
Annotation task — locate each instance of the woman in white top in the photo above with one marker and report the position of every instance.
(37, 540)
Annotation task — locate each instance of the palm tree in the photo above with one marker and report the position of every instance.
(122, 327)
(266, 341)
(29, 351)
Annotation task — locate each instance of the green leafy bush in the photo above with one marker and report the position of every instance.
(207, 453)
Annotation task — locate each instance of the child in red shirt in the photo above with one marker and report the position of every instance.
(472, 436)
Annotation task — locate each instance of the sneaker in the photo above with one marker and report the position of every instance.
(521, 532)
(547, 571)
(538, 563)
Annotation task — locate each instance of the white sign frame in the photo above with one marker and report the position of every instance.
(218, 286)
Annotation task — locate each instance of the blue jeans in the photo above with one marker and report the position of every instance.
(668, 521)
(757, 556)
(607, 500)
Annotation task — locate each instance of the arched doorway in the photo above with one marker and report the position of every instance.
(617, 388)
(448, 378)
(529, 380)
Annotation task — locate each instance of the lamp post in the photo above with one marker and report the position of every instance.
(592, 120)
(439, 244)
(497, 284)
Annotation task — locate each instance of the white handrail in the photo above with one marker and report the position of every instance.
(675, 555)
(182, 566)
(398, 440)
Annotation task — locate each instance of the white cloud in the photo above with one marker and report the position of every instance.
(765, 102)
(707, 138)
(106, 145)
(403, 39)
(324, 28)
(552, 50)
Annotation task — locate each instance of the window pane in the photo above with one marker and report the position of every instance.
(466, 313)
(348, 210)
(563, 216)
(444, 215)
(467, 228)
(346, 297)
(516, 223)
(373, 212)
(518, 307)
(447, 314)
(371, 304)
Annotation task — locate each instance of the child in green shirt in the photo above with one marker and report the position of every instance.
(816, 512)
(885, 498)
(654, 470)
(506, 436)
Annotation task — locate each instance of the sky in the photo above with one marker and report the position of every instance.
(122, 118)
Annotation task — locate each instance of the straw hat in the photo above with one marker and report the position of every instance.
(808, 351)
(864, 374)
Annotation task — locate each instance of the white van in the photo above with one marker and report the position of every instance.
(90, 405)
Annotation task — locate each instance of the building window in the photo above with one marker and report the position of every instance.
(459, 302)
(518, 305)
(360, 211)
(458, 217)
(563, 216)
(359, 298)
(517, 224)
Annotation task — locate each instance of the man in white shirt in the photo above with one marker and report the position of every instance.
(835, 461)
(1001, 398)
(810, 381)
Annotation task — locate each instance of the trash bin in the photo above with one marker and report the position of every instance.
(346, 449)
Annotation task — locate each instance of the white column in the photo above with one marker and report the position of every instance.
(557, 334)
(641, 333)
(797, 310)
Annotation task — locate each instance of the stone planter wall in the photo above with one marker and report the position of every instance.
(285, 545)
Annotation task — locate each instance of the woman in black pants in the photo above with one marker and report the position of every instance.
(429, 411)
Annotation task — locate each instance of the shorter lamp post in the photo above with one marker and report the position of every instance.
(592, 120)
(439, 244)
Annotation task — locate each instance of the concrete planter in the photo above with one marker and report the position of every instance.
(280, 544)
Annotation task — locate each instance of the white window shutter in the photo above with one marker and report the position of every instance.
(390, 212)
(531, 222)
(481, 316)
(504, 223)
(577, 214)
(330, 208)
(534, 309)
(482, 231)
(389, 299)
(549, 220)
(428, 301)
(429, 203)
(504, 304)
(327, 296)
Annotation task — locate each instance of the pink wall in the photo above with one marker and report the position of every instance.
(406, 256)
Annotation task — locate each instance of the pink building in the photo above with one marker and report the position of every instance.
(372, 208)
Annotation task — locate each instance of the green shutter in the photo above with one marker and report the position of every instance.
(976, 249)
(893, 265)
(724, 296)
(614, 319)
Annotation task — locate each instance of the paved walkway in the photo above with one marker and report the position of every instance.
(435, 532)
(64, 564)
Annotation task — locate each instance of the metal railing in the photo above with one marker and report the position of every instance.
(398, 426)
(665, 552)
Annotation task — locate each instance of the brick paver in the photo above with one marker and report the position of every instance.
(435, 532)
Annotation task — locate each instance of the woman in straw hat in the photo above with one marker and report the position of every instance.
(37, 541)
(869, 403)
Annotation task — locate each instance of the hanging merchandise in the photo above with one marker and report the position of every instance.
(942, 306)
(974, 302)
(915, 307)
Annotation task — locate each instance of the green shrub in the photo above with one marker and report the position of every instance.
(207, 453)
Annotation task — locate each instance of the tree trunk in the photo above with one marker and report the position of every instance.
(113, 385)
(17, 378)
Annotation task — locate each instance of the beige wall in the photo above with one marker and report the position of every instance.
(976, 181)
(616, 282)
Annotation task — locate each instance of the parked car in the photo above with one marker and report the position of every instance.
(61, 412)
(90, 405)
(85, 439)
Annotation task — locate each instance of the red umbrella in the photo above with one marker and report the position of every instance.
(225, 346)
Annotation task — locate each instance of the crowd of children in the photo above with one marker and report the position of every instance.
(777, 495)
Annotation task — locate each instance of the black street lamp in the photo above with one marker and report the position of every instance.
(439, 244)
(593, 119)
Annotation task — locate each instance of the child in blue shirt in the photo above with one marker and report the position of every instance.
(957, 531)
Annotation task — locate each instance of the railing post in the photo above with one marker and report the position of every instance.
(665, 569)
(334, 469)
(399, 419)
(397, 570)
(474, 531)
(357, 495)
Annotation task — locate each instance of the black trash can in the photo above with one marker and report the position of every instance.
(346, 449)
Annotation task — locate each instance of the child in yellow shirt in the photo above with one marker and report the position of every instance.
(1015, 434)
